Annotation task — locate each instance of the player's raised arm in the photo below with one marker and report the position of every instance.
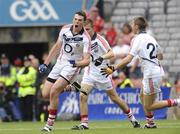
(53, 52)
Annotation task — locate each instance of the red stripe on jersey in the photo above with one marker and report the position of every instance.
(151, 86)
(89, 46)
(105, 44)
(88, 70)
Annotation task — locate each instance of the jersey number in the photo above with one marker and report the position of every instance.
(151, 55)
(67, 48)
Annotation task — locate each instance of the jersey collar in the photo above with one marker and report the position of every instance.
(141, 32)
(81, 32)
(94, 36)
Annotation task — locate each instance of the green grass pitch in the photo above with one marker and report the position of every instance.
(96, 127)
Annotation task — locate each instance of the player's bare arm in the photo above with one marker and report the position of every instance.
(110, 69)
(124, 61)
(53, 52)
(108, 55)
(85, 61)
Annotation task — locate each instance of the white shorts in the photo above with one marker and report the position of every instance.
(65, 71)
(101, 85)
(151, 85)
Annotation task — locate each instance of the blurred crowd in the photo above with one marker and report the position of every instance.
(20, 89)
(21, 83)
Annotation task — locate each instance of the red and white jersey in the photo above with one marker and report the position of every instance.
(147, 48)
(74, 45)
(99, 46)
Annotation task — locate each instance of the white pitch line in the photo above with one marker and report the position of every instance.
(93, 128)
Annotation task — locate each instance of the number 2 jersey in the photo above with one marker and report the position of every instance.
(147, 48)
(74, 45)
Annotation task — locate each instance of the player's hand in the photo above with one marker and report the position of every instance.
(72, 62)
(43, 68)
(98, 61)
(108, 70)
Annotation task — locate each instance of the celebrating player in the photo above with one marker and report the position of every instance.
(149, 51)
(73, 47)
(100, 53)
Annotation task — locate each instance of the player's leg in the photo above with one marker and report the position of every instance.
(56, 89)
(46, 89)
(51, 79)
(116, 99)
(84, 108)
(154, 85)
(149, 114)
(148, 100)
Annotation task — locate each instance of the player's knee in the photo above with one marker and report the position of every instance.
(148, 107)
(113, 98)
(83, 97)
(45, 95)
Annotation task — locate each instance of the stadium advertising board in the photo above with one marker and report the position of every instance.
(102, 108)
(37, 12)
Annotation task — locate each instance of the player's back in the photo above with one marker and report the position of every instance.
(147, 49)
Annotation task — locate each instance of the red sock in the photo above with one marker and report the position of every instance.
(150, 118)
(51, 117)
(84, 118)
(129, 114)
(171, 103)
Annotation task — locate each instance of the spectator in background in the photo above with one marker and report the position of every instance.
(8, 110)
(3, 114)
(8, 77)
(110, 33)
(26, 78)
(98, 21)
(93, 14)
(126, 34)
(34, 61)
(87, 4)
(120, 51)
(123, 81)
(18, 64)
(165, 81)
(7, 72)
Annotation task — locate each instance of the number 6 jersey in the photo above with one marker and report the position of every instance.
(147, 48)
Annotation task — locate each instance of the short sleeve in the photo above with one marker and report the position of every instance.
(134, 47)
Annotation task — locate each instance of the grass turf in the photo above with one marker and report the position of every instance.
(96, 127)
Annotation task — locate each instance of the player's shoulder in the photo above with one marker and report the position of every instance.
(100, 37)
(68, 26)
(86, 35)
